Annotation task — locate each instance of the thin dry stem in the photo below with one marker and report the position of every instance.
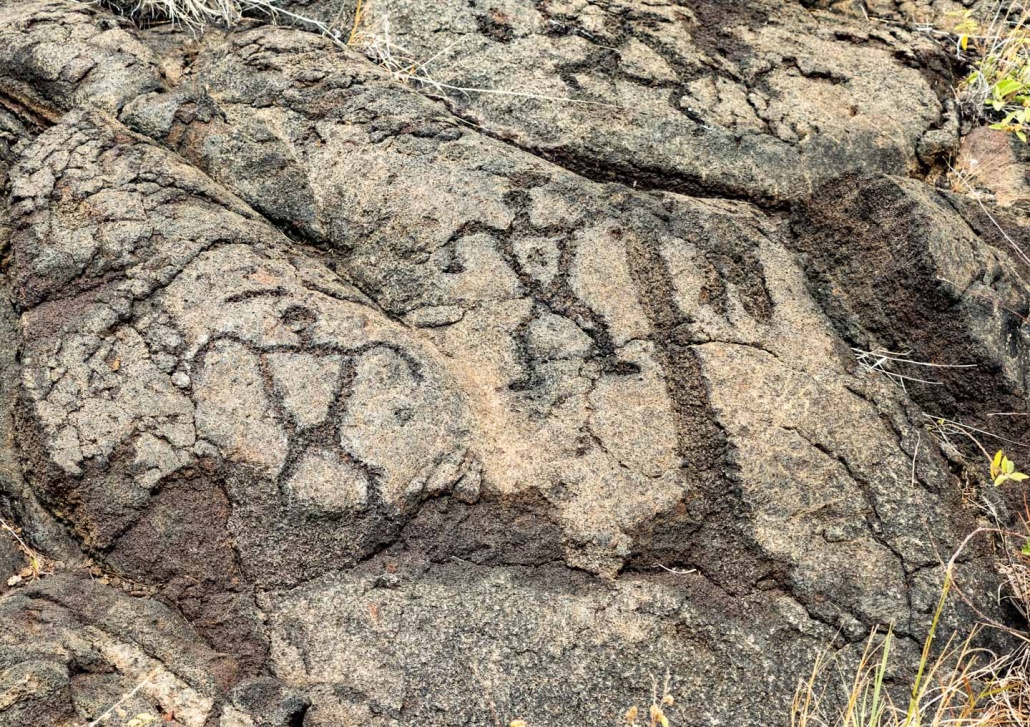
(38, 565)
(125, 697)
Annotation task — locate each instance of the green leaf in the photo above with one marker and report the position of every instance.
(1026, 548)
(1006, 87)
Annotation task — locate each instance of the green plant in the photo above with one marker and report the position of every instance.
(962, 686)
(1003, 470)
(998, 86)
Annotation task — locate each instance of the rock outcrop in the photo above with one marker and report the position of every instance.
(370, 402)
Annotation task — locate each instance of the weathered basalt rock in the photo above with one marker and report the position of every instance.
(59, 56)
(70, 648)
(158, 422)
(406, 420)
(762, 100)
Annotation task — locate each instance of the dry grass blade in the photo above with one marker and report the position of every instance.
(961, 687)
(1008, 239)
(374, 39)
(887, 363)
(370, 38)
(38, 564)
(997, 38)
(198, 14)
(985, 297)
(945, 427)
(125, 697)
(359, 19)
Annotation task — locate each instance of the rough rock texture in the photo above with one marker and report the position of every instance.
(160, 420)
(11, 560)
(59, 57)
(763, 100)
(70, 648)
(405, 410)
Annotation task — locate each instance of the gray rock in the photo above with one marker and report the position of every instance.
(457, 644)
(132, 458)
(760, 99)
(70, 648)
(949, 287)
(435, 423)
(69, 55)
(264, 702)
(685, 304)
(11, 560)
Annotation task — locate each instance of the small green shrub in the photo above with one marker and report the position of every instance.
(998, 87)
